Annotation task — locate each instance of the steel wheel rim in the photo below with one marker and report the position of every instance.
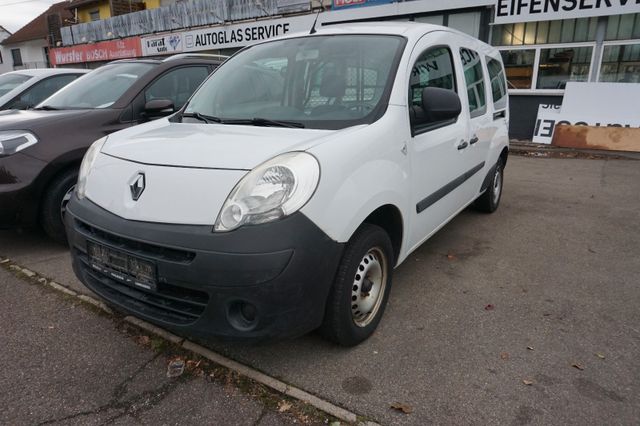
(368, 288)
(65, 201)
(497, 184)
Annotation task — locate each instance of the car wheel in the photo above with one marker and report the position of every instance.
(361, 288)
(54, 205)
(488, 202)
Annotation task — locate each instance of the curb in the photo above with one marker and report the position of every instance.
(242, 369)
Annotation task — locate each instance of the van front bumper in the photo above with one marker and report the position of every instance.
(257, 282)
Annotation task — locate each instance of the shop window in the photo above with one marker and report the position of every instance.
(559, 31)
(519, 67)
(468, 23)
(498, 84)
(560, 65)
(623, 27)
(474, 78)
(621, 64)
(433, 19)
(17, 57)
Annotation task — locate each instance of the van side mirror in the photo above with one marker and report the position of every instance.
(438, 105)
(157, 108)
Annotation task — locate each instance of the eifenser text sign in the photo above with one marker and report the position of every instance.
(510, 11)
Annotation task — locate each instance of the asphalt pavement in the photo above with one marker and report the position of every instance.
(526, 316)
(65, 364)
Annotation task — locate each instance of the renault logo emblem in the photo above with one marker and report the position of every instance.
(137, 186)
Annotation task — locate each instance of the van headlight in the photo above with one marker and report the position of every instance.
(274, 189)
(87, 162)
(13, 141)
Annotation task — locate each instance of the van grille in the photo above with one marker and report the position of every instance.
(137, 247)
(169, 303)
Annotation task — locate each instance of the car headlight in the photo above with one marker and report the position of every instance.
(87, 163)
(274, 189)
(13, 141)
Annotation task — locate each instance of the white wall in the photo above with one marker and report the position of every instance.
(32, 54)
(6, 64)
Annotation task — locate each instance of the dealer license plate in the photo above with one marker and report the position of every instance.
(122, 267)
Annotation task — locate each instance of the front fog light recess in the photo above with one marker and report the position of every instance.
(276, 188)
(87, 163)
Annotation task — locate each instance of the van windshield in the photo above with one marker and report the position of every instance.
(100, 88)
(322, 82)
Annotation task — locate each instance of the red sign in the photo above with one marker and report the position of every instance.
(101, 51)
(343, 3)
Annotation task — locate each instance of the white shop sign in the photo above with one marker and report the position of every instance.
(590, 104)
(229, 36)
(162, 45)
(511, 11)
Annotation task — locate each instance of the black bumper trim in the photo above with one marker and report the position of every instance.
(283, 269)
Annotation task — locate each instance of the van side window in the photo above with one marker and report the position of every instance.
(498, 84)
(472, 67)
(433, 68)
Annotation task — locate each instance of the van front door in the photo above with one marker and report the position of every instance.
(435, 148)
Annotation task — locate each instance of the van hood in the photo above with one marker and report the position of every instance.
(211, 146)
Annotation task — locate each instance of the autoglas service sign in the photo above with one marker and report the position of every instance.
(510, 11)
(229, 36)
(162, 45)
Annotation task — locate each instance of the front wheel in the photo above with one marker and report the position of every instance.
(54, 205)
(361, 288)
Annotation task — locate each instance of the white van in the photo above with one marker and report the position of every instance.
(298, 176)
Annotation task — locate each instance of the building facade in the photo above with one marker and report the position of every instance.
(29, 46)
(5, 63)
(544, 43)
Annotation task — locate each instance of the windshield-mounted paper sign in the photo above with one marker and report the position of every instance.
(512, 11)
(590, 104)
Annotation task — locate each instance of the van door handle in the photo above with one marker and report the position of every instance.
(474, 139)
(463, 145)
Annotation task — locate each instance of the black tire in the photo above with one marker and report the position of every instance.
(51, 207)
(489, 201)
(340, 325)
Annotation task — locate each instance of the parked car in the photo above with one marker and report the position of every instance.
(27, 88)
(41, 149)
(265, 210)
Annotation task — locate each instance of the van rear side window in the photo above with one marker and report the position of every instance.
(498, 84)
(475, 81)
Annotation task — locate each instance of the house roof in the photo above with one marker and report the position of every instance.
(38, 27)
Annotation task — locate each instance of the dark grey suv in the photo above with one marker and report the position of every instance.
(41, 149)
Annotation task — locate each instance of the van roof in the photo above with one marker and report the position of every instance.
(408, 29)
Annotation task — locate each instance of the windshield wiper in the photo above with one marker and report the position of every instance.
(202, 117)
(259, 121)
(47, 108)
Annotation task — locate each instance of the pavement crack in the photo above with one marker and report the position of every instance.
(261, 416)
(133, 405)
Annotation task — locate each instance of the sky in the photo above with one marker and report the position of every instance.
(14, 14)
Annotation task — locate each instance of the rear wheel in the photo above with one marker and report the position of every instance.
(361, 289)
(489, 201)
(54, 205)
